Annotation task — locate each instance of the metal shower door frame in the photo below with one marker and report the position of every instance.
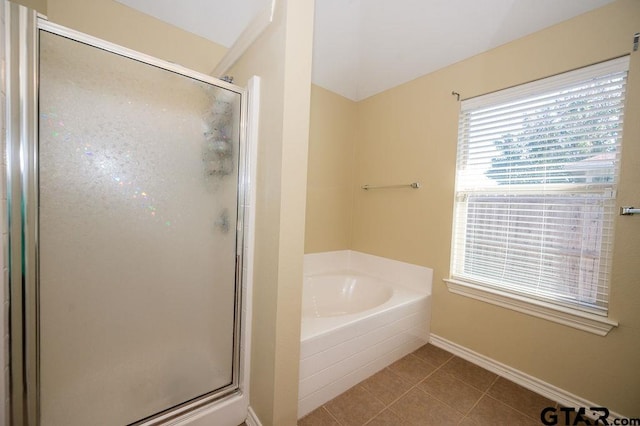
(22, 30)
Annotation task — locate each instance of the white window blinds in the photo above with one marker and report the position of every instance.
(537, 170)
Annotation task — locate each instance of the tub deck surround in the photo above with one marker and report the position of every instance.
(344, 344)
(410, 276)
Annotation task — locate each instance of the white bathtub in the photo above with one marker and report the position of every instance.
(360, 313)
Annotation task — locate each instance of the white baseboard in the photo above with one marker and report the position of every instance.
(541, 387)
(252, 418)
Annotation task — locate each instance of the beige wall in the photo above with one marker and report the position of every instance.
(282, 59)
(330, 186)
(114, 22)
(410, 132)
(39, 5)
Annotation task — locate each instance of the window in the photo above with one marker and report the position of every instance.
(537, 170)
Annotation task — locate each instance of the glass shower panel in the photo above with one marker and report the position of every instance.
(138, 210)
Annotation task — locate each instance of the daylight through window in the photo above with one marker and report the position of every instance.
(537, 170)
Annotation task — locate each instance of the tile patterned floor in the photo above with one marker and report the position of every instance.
(432, 387)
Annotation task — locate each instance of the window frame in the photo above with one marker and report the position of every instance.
(593, 322)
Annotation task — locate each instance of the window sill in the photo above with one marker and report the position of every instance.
(581, 320)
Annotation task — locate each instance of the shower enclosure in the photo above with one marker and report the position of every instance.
(125, 203)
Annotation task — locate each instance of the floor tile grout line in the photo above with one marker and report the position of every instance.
(376, 397)
(445, 403)
(387, 406)
(483, 393)
(511, 406)
(516, 409)
(471, 384)
(449, 405)
(368, 392)
(331, 415)
(372, 394)
(486, 393)
(403, 393)
(384, 405)
(376, 415)
(415, 386)
(430, 363)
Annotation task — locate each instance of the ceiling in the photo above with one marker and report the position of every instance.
(364, 47)
(217, 20)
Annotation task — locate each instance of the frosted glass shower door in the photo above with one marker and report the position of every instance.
(138, 211)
